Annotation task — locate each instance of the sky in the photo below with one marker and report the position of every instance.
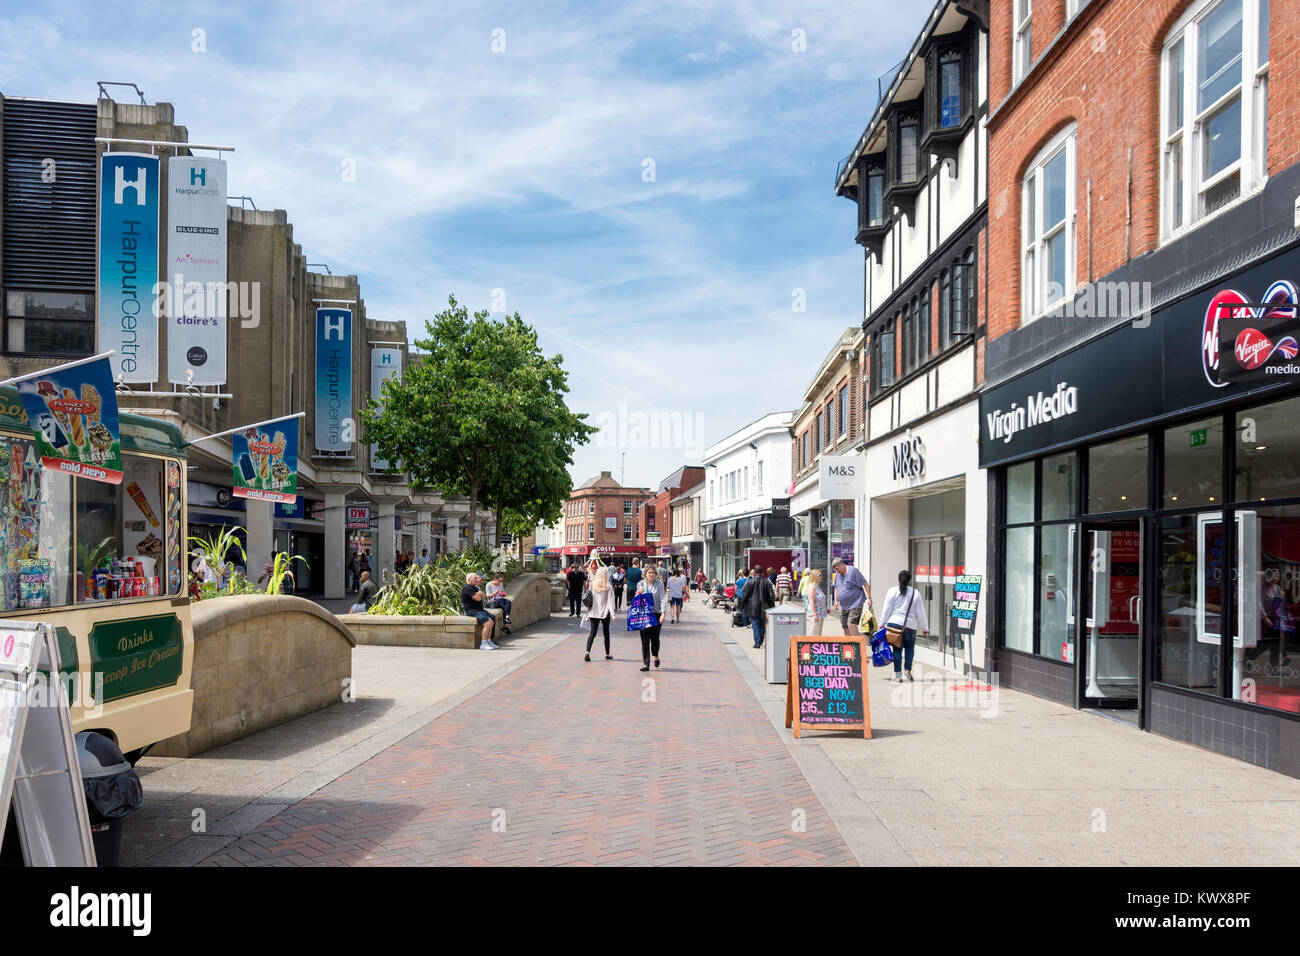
(649, 184)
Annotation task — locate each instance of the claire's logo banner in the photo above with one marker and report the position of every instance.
(73, 416)
(266, 461)
(128, 264)
(333, 379)
(1251, 342)
(196, 262)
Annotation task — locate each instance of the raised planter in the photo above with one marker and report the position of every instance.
(260, 660)
(530, 596)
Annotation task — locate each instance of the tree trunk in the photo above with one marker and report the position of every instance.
(473, 501)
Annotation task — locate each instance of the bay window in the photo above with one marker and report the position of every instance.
(1214, 92)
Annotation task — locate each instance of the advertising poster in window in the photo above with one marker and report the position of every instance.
(128, 264)
(33, 531)
(384, 364)
(73, 416)
(333, 379)
(266, 461)
(196, 270)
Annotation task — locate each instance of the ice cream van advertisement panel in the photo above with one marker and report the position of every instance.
(73, 414)
(266, 461)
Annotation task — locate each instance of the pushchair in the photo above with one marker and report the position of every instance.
(728, 602)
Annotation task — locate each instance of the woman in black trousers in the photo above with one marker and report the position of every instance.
(652, 586)
(601, 611)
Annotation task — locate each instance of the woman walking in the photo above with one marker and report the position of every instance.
(676, 595)
(601, 611)
(903, 610)
(618, 580)
(815, 603)
(653, 588)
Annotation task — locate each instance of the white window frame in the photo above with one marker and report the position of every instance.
(1252, 165)
(1022, 22)
(1072, 8)
(1033, 271)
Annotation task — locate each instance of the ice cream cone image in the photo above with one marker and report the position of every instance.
(77, 430)
(263, 464)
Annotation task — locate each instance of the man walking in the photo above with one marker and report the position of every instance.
(852, 593)
(633, 578)
(783, 586)
(577, 580)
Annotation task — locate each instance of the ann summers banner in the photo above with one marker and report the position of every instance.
(196, 270)
(73, 416)
(333, 379)
(266, 461)
(384, 364)
(128, 264)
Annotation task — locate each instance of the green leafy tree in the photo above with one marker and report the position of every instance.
(481, 413)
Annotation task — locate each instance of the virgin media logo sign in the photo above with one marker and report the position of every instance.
(1253, 348)
(1245, 341)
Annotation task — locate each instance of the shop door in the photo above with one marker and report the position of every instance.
(1112, 614)
(927, 575)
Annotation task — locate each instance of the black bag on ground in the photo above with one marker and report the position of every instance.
(737, 619)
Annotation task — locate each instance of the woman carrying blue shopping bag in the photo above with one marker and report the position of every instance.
(903, 616)
(649, 607)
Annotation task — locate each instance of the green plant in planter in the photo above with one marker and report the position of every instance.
(213, 549)
(89, 558)
(281, 568)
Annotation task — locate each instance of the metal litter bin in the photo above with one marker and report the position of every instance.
(783, 622)
(112, 789)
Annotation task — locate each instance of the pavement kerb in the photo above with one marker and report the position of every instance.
(867, 837)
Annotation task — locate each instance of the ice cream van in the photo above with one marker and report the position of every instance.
(103, 564)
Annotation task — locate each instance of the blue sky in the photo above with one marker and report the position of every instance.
(523, 170)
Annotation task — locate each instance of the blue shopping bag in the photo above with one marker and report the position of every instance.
(640, 613)
(881, 653)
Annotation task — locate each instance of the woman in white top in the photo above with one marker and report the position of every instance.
(905, 608)
(601, 611)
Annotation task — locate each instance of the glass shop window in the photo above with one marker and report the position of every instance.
(129, 535)
(35, 533)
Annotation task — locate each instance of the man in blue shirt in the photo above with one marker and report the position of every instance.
(633, 579)
(852, 593)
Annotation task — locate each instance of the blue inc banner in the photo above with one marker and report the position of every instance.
(333, 379)
(128, 264)
(384, 364)
(196, 260)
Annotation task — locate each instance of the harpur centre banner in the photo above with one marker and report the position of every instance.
(196, 268)
(333, 379)
(128, 264)
(384, 364)
(73, 415)
(266, 461)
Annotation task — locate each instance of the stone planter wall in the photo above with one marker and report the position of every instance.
(530, 596)
(260, 660)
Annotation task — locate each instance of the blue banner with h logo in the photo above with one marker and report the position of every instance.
(334, 380)
(128, 264)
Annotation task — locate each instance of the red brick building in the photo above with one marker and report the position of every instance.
(601, 513)
(1138, 425)
(655, 521)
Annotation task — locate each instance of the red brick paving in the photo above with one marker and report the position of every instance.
(581, 770)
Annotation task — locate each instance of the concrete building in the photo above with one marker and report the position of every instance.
(747, 506)
(655, 520)
(1138, 424)
(687, 511)
(49, 273)
(919, 176)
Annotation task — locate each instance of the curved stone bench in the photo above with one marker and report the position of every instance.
(259, 660)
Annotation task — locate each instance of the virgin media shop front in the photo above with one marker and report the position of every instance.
(1145, 494)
